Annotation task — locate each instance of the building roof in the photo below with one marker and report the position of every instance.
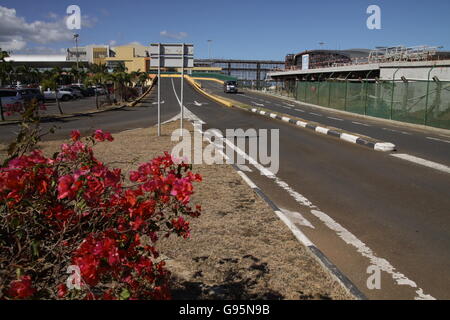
(37, 58)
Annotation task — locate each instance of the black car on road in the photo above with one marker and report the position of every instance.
(230, 87)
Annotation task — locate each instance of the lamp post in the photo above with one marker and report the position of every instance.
(209, 49)
(75, 36)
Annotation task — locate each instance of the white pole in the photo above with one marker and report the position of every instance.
(159, 89)
(182, 88)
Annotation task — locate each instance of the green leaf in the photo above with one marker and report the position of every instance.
(35, 246)
(125, 294)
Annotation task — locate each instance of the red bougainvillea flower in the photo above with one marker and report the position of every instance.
(75, 135)
(21, 289)
(67, 187)
(101, 136)
(62, 290)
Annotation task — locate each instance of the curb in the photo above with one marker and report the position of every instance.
(337, 133)
(377, 146)
(72, 115)
(318, 255)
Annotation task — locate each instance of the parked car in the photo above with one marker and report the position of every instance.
(84, 91)
(75, 92)
(90, 91)
(11, 100)
(62, 95)
(230, 87)
(99, 89)
(29, 94)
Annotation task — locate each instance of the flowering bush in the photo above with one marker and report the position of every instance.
(71, 209)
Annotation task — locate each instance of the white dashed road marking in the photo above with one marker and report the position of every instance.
(335, 119)
(423, 162)
(436, 139)
(360, 124)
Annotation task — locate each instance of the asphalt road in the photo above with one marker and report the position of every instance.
(422, 143)
(142, 115)
(368, 208)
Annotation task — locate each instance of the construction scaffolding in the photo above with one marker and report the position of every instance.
(402, 53)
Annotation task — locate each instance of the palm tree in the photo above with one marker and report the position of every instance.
(3, 55)
(98, 74)
(55, 77)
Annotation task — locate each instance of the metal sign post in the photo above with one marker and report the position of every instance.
(159, 90)
(171, 55)
(182, 88)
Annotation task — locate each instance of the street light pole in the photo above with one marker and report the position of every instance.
(209, 49)
(76, 35)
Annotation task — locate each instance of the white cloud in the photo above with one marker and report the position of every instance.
(13, 44)
(177, 35)
(41, 50)
(16, 32)
(112, 43)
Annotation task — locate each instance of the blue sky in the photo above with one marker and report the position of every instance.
(246, 29)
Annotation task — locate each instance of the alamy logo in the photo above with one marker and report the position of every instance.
(374, 20)
(74, 280)
(73, 20)
(223, 149)
(374, 280)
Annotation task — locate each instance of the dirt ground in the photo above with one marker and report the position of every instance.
(238, 249)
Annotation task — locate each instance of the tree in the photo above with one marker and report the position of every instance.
(52, 82)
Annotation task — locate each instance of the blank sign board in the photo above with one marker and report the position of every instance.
(171, 55)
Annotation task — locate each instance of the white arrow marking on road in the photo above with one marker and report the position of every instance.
(198, 104)
(258, 104)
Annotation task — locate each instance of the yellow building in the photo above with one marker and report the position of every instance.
(99, 54)
(133, 57)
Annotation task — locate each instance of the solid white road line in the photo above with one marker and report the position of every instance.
(436, 139)
(247, 180)
(423, 162)
(297, 233)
